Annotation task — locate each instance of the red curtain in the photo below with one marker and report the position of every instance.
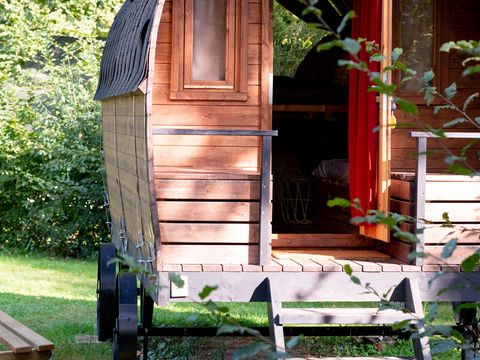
(363, 112)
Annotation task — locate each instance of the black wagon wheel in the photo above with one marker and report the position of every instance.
(106, 291)
(146, 315)
(126, 317)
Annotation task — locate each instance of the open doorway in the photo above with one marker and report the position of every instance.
(310, 111)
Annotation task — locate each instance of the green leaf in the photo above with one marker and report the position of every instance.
(469, 101)
(446, 218)
(377, 57)
(348, 16)
(444, 346)
(451, 91)
(429, 96)
(428, 76)
(351, 45)
(229, 329)
(407, 106)
(341, 202)
(471, 70)
(437, 108)
(401, 325)
(449, 248)
(294, 341)
(396, 53)
(446, 47)
(355, 280)
(348, 269)
(456, 335)
(471, 262)
(415, 254)
(250, 350)
(176, 279)
(432, 312)
(329, 45)
(454, 122)
(405, 235)
(352, 65)
(206, 291)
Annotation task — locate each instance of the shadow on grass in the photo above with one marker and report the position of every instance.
(60, 321)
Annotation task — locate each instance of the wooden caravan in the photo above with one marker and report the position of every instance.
(190, 109)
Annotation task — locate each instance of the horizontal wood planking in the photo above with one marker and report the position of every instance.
(464, 233)
(218, 211)
(331, 254)
(208, 189)
(210, 254)
(318, 240)
(457, 212)
(209, 233)
(403, 190)
(205, 140)
(161, 95)
(455, 189)
(206, 157)
(205, 115)
(402, 160)
(460, 253)
(167, 12)
(163, 54)
(169, 173)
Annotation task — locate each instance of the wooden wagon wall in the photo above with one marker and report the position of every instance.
(456, 20)
(126, 166)
(207, 187)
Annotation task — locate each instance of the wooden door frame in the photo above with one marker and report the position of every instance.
(379, 231)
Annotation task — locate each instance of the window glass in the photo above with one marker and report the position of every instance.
(209, 39)
(416, 38)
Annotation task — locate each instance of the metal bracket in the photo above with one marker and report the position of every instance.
(122, 236)
(150, 259)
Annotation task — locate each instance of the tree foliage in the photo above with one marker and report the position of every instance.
(292, 39)
(51, 172)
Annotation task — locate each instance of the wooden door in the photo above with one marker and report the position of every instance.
(381, 232)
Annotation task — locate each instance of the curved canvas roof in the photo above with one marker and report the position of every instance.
(124, 61)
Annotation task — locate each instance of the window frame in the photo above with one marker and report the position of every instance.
(438, 60)
(234, 87)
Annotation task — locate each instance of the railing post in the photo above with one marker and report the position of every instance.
(265, 225)
(420, 179)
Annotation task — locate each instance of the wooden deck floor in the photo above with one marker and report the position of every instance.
(317, 260)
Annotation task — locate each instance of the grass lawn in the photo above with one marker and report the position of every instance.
(56, 298)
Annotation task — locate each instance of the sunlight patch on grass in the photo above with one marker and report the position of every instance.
(62, 278)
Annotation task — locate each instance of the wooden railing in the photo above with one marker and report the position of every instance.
(265, 170)
(420, 180)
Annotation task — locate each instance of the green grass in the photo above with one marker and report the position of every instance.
(56, 298)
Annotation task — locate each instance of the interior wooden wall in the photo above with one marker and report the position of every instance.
(459, 21)
(125, 153)
(208, 186)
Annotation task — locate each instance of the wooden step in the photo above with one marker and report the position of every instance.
(16, 331)
(347, 316)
